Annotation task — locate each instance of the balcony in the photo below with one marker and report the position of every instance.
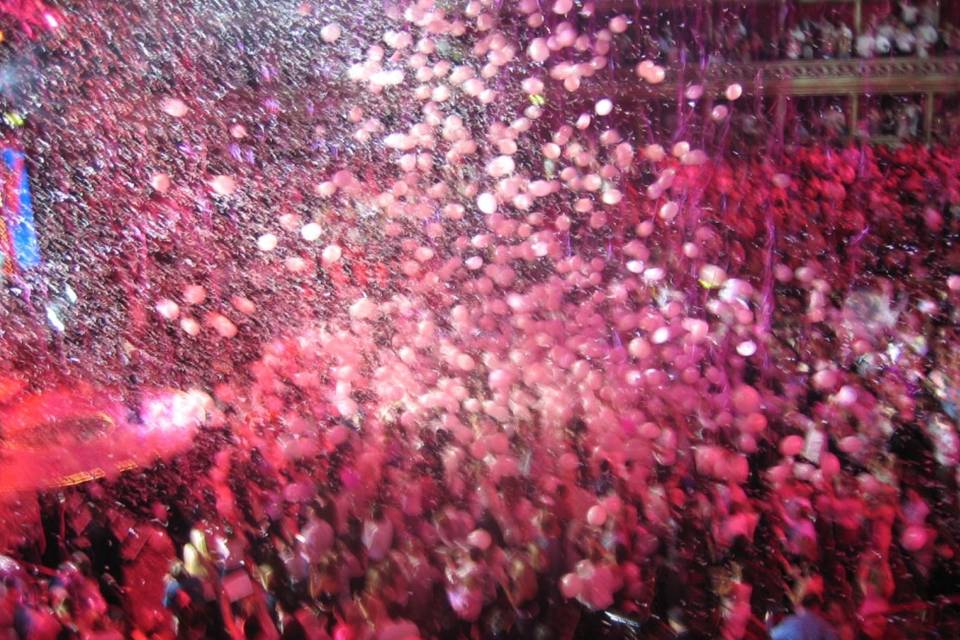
(852, 79)
(815, 77)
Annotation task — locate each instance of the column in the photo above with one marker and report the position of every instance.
(928, 116)
(780, 118)
(854, 115)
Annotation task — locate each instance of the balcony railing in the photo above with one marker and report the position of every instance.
(817, 77)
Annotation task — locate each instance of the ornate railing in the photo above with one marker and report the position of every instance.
(818, 77)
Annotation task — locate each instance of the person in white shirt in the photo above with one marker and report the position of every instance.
(798, 34)
(882, 45)
(866, 45)
(793, 48)
(906, 41)
(927, 33)
(912, 114)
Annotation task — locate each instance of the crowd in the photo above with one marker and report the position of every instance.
(901, 118)
(759, 34)
(477, 363)
(887, 119)
(287, 521)
(911, 31)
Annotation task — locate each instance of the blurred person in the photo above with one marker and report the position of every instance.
(808, 623)
(873, 623)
